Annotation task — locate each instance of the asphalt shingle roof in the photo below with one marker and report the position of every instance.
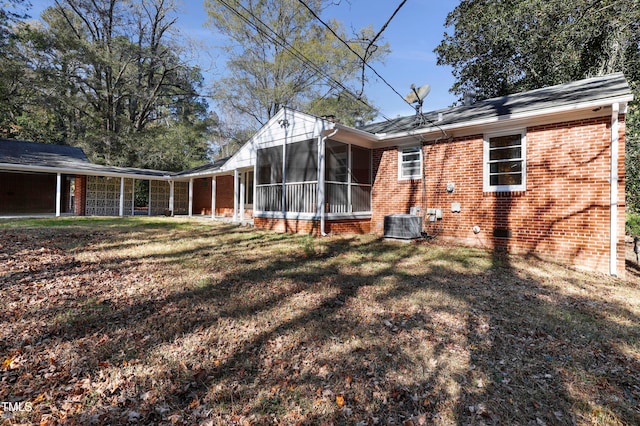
(40, 154)
(592, 89)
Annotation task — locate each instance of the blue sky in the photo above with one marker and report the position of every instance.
(412, 35)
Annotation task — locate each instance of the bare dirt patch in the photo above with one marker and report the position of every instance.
(202, 323)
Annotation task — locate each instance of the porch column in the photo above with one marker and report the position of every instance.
(58, 194)
(191, 197)
(321, 167)
(242, 186)
(213, 197)
(171, 192)
(121, 207)
(133, 197)
(235, 195)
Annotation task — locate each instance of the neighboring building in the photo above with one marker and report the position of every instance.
(540, 172)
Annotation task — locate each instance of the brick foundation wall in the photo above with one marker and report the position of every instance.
(312, 227)
(80, 196)
(563, 215)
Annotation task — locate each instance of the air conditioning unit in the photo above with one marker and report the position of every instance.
(405, 226)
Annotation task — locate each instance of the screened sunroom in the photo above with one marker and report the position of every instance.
(313, 178)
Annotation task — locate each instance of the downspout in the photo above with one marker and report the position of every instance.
(613, 232)
(321, 173)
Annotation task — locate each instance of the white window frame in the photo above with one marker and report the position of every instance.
(487, 187)
(401, 162)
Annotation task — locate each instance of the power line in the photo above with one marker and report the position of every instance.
(292, 50)
(364, 61)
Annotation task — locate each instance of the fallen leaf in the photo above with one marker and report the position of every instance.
(340, 400)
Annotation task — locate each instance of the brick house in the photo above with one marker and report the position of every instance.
(539, 172)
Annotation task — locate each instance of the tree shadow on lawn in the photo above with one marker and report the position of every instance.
(362, 331)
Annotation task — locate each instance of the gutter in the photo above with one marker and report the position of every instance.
(166, 176)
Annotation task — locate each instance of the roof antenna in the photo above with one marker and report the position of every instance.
(417, 96)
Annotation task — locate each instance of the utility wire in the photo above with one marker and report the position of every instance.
(293, 51)
(364, 61)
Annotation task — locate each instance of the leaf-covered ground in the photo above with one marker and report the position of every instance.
(170, 321)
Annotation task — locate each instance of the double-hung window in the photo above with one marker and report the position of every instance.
(410, 162)
(505, 162)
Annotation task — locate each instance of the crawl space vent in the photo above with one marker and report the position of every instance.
(407, 226)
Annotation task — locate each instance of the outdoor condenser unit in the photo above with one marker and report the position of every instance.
(406, 226)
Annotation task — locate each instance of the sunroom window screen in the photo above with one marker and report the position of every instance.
(336, 161)
(302, 161)
(360, 165)
(269, 165)
(505, 160)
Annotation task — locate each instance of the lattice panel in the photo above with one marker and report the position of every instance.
(158, 197)
(103, 196)
(181, 198)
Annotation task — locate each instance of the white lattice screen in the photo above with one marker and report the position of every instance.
(103, 196)
(158, 197)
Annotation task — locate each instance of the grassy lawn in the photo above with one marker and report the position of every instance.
(171, 321)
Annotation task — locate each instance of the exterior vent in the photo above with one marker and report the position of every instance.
(405, 226)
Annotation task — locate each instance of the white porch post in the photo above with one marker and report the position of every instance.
(235, 195)
(171, 192)
(613, 232)
(58, 194)
(320, 191)
(191, 197)
(242, 186)
(133, 197)
(213, 197)
(121, 206)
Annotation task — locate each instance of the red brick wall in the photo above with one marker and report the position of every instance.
(312, 227)
(27, 193)
(224, 196)
(563, 215)
(202, 196)
(80, 196)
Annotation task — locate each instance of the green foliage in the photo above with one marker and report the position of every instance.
(346, 109)
(106, 76)
(633, 224)
(266, 44)
(506, 46)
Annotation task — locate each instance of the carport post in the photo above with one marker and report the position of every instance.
(58, 194)
(213, 197)
(191, 197)
(121, 209)
(235, 195)
(171, 197)
(133, 197)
